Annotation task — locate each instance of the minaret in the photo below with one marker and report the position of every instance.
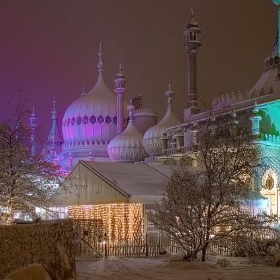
(277, 3)
(192, 44)
(120, 90)
(54, 141)
(33, 126)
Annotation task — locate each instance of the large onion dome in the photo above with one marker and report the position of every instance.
(127, 146)
(90, 122)
(151, 140)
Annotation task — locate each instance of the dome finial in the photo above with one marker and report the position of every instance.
(169, 94)
(54, 108)
(192, 14)
(120, 73)
(100, 62)
(54, 102)
(83, 90)
(130, 108)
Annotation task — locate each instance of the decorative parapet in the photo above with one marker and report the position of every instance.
(273, 139)
(231, 99)
(181, 150)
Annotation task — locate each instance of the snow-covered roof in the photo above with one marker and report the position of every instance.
(142, 182)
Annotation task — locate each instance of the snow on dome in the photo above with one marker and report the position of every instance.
(90, 122)
(151, 140)
(127, 146)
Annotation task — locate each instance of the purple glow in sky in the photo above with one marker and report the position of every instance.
(49, 48)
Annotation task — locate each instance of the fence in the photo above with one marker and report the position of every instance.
(153, 246)
(149, 246)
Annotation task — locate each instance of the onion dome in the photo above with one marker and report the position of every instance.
(192, 22)
(152, 138)
(127, 146)
(90, 122)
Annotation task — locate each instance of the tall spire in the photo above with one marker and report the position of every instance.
(54, 141)
(100, 61)
(192, 44)
(120, 89)
(33, 126)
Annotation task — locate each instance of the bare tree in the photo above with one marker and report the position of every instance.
(26, 180)
(214, 200)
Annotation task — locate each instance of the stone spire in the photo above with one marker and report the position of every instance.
(33, 125)
(54, 141)
(120, 90)
(192, 44)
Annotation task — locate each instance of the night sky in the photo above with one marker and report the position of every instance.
(48, 48)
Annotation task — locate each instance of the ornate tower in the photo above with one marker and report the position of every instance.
(120, 90)
(192, 44)
(33, 126)
(54, 141)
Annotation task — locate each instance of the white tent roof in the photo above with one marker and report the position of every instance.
(140, 181)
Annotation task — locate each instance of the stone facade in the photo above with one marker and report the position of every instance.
(23, 244)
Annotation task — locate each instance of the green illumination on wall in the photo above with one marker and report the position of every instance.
(270, 122)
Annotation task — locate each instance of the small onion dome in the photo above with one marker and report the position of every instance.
(152, 137)
(192, 22)
(127, 146)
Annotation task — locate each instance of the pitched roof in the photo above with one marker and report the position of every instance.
(142, 182)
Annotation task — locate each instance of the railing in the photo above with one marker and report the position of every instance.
(154, 245)
(149, 246)
(275, 139)
(180, 150)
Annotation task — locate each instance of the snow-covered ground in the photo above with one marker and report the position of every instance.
(166, 269)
